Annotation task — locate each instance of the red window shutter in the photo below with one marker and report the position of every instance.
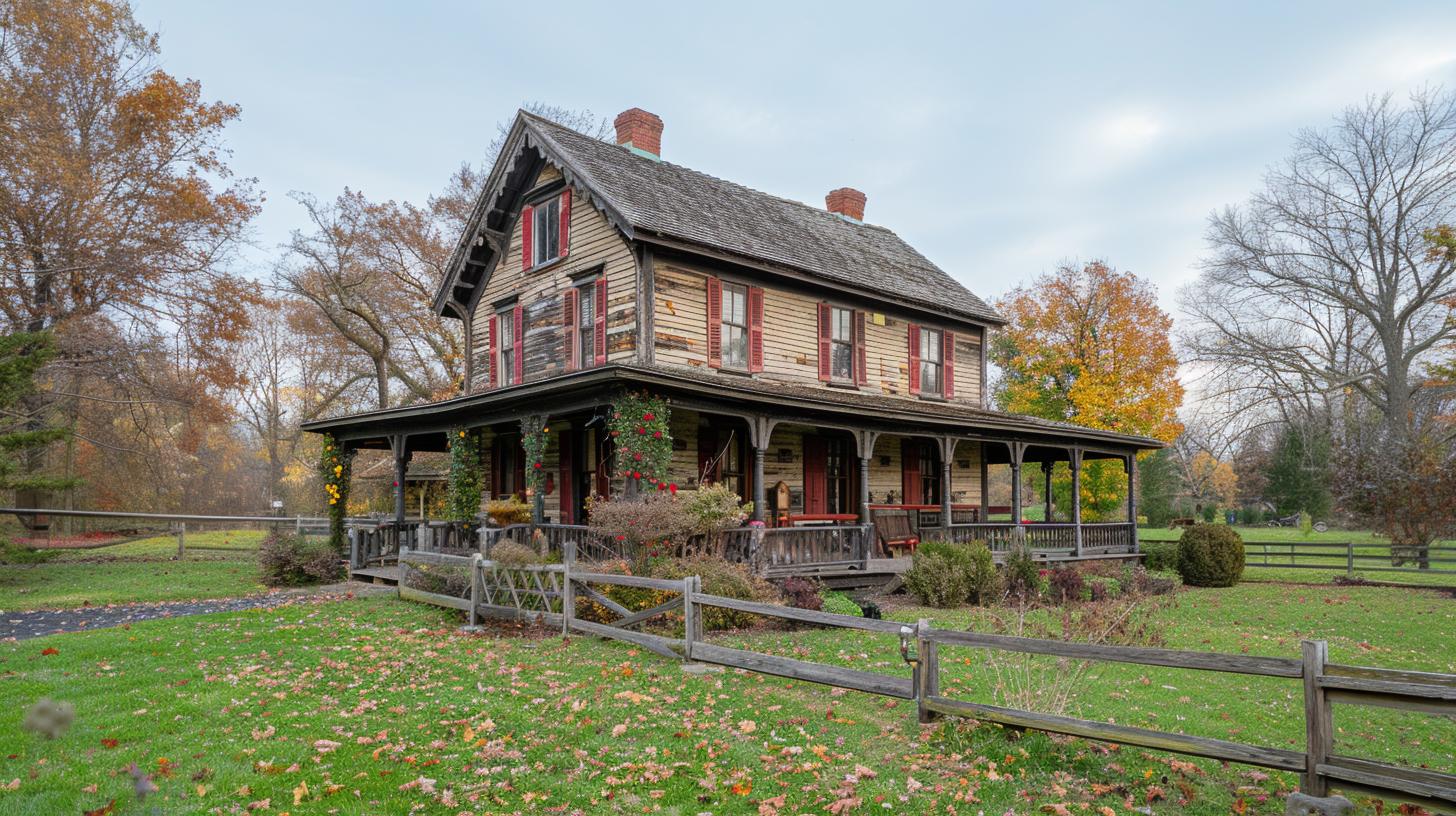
(861, 364)
(914, 335)
(600, 353)
(947, 361)
(910, 471)
(755, 329)
(520, 341)
(715, 323)
(528, 218)
(493, 350)
(569, 314)
(563, 241)
(825, 315)
(566, 444)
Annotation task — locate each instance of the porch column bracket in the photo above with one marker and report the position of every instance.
(1075, 456)
(760, 429)
(866, 441)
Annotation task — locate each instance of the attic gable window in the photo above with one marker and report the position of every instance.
(544, 230)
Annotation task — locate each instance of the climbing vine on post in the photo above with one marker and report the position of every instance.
(467, 480)
(334, 466)
(639, 427)
(534, 435)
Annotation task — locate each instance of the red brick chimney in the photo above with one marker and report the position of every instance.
(846, 201)
(640, 132)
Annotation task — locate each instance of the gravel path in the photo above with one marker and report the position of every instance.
(40, 622)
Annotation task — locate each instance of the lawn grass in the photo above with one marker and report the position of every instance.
(216, 564)
(228, 711)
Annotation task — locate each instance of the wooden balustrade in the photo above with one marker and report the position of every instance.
(1043, 539)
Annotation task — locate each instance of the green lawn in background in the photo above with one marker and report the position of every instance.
(216, 564)
(379, 705)
(1442, 574)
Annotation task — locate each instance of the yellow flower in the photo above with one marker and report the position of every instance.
(333, 501)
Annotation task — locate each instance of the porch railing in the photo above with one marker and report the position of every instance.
(1048, 540)
(779, 550)
(551, 539)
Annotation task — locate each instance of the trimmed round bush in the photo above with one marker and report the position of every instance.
(937, 577)
(1210, 555)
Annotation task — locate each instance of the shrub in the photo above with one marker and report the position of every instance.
(12, 553)
(1209, 514)
(1210, 555)
(802, 593)
(657, 524)
(504, 512)
(1160, 555)
(713, 508)
(512, 554)
(1102, 588)
(840, 604)
(289, 559)
(719, 578)
(938, 575)
(1023, 575)
(984, 581)
(1066, 584)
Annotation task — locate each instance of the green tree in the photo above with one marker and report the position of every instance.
(1158, 487)
(1299, 470)
(21, 356)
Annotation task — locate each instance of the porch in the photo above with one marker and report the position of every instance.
(827, 473)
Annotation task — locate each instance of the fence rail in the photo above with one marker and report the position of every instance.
(550, 593)
(1350, 556)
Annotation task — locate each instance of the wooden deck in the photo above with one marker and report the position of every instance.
(378, 575)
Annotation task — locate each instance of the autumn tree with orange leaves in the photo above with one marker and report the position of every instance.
(1089, 345)
(118, 219)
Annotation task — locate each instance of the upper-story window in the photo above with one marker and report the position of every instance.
(931, 363)
(508, 351)
(547, 231)
(841, 343)
(734, 326)
(586, 323)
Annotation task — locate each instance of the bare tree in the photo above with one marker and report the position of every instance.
(1322, 286)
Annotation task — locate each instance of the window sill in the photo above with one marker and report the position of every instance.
(845, 385)
(932, 398)
(737, 372)
(545, 265)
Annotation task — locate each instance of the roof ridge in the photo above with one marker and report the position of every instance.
(660, 162)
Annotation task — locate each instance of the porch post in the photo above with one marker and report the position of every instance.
(984, 514)
(866, 441)
(1132, 497)
(947, 453)
(760, 428)
(1017, 450)
(400, 445)
(1046, 491)
(1076, 463)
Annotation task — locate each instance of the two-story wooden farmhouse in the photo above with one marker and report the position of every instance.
(815, 362)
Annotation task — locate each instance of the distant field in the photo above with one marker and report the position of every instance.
(217, 564)
(1441, 575)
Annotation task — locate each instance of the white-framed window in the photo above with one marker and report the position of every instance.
(508, 350)
(735, 326)
(546, 231)
(586, 324)
(841, 343)
(931, 365)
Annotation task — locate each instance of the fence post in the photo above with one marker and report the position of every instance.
(1318, 721)
(690, 616)
(475, 569)
(568, 590)
(929, 669)
(181, 539)
(1350, 559)
(353, 534)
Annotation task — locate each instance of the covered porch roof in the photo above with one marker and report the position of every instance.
(425, 425)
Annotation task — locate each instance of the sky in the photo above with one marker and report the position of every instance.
(1000, 139)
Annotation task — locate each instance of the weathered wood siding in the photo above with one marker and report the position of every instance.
(790, 336)
(593, 241)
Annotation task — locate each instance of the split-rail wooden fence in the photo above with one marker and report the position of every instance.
(549, 593)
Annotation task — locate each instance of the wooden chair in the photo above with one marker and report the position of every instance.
(892, 529)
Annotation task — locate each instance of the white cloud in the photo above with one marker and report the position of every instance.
(1127, 132)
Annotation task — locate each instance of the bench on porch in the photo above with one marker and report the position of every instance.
(893, 529)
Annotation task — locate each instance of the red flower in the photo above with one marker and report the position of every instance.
(621, 537)
(648, 417)
(673, 488)
(636, 475)
(537, 465)
(641, 430)
(661, 486)
(657, 434)
(614, 433)
(636, 457)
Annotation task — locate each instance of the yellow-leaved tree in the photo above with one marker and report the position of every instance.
(1089, 345)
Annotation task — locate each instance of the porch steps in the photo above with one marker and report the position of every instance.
(378, 575)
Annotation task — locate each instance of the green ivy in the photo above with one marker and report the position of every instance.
(467, 478)
(335, 464)
(534, 435)
(639, 427)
